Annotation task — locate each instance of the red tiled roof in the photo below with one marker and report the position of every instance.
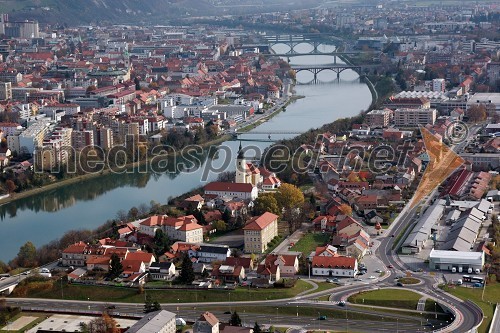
(260, 222)
(228, 187)
(334, 262)
(209, 318)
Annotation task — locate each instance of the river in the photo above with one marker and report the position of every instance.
(44, 217)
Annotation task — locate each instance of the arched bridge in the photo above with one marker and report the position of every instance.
(315, 40)
(315, 69)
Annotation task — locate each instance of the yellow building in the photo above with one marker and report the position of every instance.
(259, 231)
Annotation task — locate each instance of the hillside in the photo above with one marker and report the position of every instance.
(71, 12)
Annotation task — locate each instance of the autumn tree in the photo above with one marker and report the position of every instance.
(11, 186)
(27, 255)
(219, 225)
(103, 324)
(266, 202)
(289, 196)
(345, 209)
(477, 113)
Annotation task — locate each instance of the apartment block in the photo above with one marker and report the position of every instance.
(378, 118)
(414, 117)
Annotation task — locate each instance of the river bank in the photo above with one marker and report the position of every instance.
(76, 180)
(44, 217)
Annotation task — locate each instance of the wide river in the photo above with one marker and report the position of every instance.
(47, 216)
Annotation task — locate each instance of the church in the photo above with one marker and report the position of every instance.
(248, 173)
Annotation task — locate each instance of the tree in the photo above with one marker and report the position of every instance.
(257, 328)
(235, 319)
(161, 243)
(477, 113)
(115, 267)
(219, 225)
(104, 324)
(266, 202)
(114, 230)
(27, 255)
(187, 273)
(151, 306)
(289, 196)
(345, 209)
(11, 186)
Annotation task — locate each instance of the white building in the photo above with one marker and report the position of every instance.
(460, 260)
(438, 85)
(334, 266)
(232, 190)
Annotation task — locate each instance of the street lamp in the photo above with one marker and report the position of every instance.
(277, 316)
(230, 308)
(297, 310)
(88, 299)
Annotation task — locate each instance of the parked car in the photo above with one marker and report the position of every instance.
(322, 318)
(399, 284)
(372, 277)
(112, 307)
(341, 303)
(390, 266)
(378, 271)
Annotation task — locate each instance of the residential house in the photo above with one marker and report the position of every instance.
(194, 202)
(211, 252)
(184, 228)
(288, 263)
(348, 226)
(247, 263)
(206, 323)
(259, 231)
(228, 274)
(162, 271)
(271, 273)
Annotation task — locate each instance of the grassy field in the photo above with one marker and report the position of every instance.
(394, 298)
(324, 286)
(132, 295)
(491, 297)
(309, 242)
(409, 280)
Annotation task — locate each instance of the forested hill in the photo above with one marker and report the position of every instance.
(71, 12)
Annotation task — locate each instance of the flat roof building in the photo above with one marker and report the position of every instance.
(461, 260)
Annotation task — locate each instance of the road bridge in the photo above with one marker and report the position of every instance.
(316, 69)
(315, 40)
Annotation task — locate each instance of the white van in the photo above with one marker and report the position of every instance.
(460, 269)
(180, 322)
(453, 269)
(459, 282)
(469, 270)
(478, 271)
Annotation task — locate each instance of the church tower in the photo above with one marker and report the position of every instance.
(241, 166)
